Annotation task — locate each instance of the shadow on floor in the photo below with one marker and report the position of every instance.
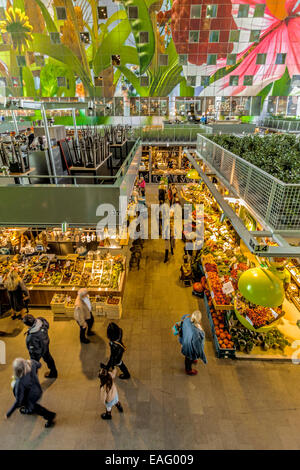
(88, 352)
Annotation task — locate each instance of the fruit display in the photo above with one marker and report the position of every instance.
(41, 271)
(246, 340)
(259, 316)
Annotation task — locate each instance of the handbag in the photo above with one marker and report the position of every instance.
(177, 329)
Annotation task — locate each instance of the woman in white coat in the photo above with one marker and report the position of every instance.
(83, 315)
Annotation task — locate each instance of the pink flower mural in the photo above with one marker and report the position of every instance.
(275, 49)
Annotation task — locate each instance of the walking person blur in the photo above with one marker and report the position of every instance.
(142, 186)
(17, 293)
(170, 238)
(117, 349)
(83, 315)
(192, 339)
(161, 193)
(109, 392)
(37, 342)
(28, 391)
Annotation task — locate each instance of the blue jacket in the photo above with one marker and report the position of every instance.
(192, 340)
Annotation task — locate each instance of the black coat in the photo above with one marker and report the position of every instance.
(16, 297)
(27, 390)
(37, 340)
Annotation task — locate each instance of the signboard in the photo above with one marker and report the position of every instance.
(176, 179)
(228, 288)
(145, 175)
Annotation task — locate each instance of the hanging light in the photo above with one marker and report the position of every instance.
(193, 175)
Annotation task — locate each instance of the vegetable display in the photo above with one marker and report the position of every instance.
(246, 340)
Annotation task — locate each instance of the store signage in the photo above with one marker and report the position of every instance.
(275, 315)
(228, 288)
(176, 179)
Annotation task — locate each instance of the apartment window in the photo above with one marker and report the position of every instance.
(234, 80)
(21, 61)
(133, 13)
(243, 11)
(280, 59)
(205, 80)
(248, 80)
(194, 36)
(40, 60)
(211, 11)
(254, 35)
(144, 81)
(196, 11)
(55, 38)
(183, 59)
(61, 81)
(163, 59)
(102, 13)
(214, 36)
(144, 37)
(259, 10)
(211, 59)
(296, 80)
(231, 59)
(261, 59)
(98, 81)
(191, 80)
(234, 35)
(85, 37)
(61, 13)
(115, 60)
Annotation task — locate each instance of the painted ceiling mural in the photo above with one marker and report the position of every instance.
(149, 48)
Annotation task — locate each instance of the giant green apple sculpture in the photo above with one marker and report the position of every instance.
(261, 287)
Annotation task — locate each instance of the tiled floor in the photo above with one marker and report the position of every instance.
(228, 405)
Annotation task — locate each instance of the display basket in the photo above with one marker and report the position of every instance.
(249, 326)
(221, 353)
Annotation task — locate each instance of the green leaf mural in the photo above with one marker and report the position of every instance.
(142, 24)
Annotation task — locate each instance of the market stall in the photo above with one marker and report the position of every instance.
(262, 324)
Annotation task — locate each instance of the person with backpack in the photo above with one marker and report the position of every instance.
(37, 342)
(109, 392)
(28, 391)
(117, 349)
(192, 339)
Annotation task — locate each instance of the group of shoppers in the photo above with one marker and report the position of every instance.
(26, 386)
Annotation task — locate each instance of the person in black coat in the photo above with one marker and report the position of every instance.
(117, 348)
(27, 390)
(37, 342)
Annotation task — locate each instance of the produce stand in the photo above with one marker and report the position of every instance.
(216, 306)
(220, 352)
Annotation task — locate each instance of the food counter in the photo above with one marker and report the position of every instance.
(47, 275)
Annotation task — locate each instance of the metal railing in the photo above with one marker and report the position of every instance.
(277, 203)
(281, 124)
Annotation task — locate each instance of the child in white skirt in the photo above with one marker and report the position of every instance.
(109, 392)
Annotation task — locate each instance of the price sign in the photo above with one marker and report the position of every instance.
(248, 319)
(275, 315)
(228, 288)
(235, 266)
(1, 279)
(212, 295)
(68, 264)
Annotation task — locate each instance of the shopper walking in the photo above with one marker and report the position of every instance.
(117, 349)
(169, 238)
(161, 193)
(27, 390)
(17, 293)
(192, 339)
(109, 392)
(83, 315)
(37, 342)
(142, 186)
